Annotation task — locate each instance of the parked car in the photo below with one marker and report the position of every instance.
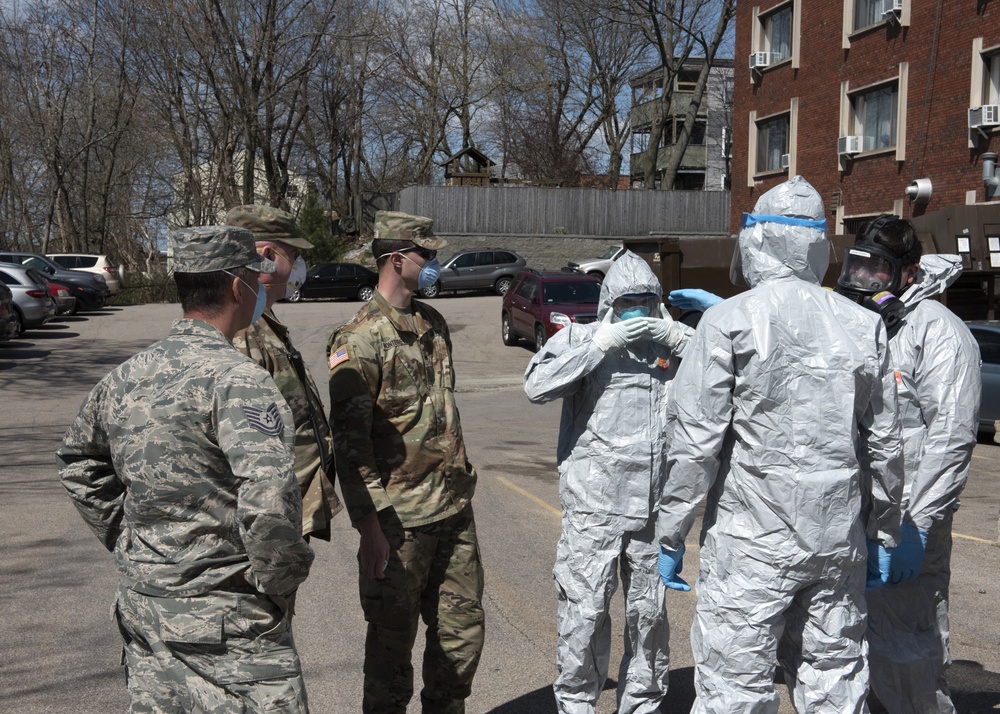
(91, 263)
(334, 280)
(53, 271)
(8, 319)
(987, 334)
(32, 305)
(599, 267)
(477, 269)
(65, 302)
(543, 302)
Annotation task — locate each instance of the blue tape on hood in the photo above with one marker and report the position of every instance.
(750, 219)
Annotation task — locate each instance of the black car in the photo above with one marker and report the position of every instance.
(337, 280)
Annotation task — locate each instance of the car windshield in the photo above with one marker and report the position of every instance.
(569, 293)
(610, 252)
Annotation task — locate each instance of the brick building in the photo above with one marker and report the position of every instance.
(866, 97)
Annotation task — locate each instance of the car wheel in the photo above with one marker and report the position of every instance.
(507, 331)
(503, 285)
(539, 337)
(432, 292)
(72, 310)
(365, 293)
(296, 296)
(596, 274)
(18, 322)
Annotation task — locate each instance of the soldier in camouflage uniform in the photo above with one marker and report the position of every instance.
(408, 485)
(267, 343)
(180, 460)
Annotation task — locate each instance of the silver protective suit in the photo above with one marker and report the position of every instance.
(611, 471)
(937, 364)
(785, 415)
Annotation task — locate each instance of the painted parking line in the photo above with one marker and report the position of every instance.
(974, 539)
(530, 496)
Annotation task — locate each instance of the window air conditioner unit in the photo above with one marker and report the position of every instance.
(986, 115)
(892, 7)
(759, 59)
(848, 145)
(784, 161)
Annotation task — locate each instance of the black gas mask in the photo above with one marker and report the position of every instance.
(873, 275)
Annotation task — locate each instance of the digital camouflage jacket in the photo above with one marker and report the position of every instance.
(180, 461)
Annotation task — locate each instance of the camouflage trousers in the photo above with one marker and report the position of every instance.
(221, 653)
(434, 573)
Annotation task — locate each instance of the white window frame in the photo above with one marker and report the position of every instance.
(753, 175)
(984, 82)
(848, 113)
(760, 40)
(849, 32)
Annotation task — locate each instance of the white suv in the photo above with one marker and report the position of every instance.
(91, 263)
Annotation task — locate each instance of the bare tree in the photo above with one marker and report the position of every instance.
(678, 30)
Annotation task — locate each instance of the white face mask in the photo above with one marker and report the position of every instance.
(296, 277)
(261, 298)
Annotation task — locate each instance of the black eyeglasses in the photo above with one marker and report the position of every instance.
(425, 253)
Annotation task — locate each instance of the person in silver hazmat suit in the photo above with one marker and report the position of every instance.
(614, 378)
(785, 414)
(938, 372)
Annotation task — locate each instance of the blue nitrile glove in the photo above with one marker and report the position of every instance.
(908, 556)
(670, 563)
(693, 299)
(879, 559)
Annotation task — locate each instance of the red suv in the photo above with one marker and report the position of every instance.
(541, 303)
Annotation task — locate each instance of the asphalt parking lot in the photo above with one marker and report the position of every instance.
(56, 582)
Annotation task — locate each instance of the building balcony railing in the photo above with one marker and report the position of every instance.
(643, 114)
(695, 157)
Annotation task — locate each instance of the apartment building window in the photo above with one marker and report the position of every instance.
(772, 142)
(778, 33)
(991, 79)
(867, 13)
(874, 115)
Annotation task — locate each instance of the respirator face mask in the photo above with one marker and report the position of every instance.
(872, 275)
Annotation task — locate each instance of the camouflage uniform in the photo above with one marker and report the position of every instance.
(396, 424)
(266, 342)
(180, 461)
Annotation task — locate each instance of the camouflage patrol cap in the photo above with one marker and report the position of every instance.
(268, 223)
(394, 225)
(205, 249)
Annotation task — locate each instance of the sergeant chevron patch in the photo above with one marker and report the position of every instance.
(265, 420)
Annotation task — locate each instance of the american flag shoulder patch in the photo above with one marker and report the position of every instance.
(341, 355)
(267, 420)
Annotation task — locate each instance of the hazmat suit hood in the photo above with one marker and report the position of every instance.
(785, 236)
(937, 273)
(628, 275)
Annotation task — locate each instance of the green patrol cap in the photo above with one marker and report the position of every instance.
(205, 249)
(394, 225)
(268, 223)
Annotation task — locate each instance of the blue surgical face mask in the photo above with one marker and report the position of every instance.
(261, 304)
(429, 273)
(637, 311)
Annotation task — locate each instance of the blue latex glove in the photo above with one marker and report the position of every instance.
(670, 563)
(879, 559)
(693, 299)
(908, 556)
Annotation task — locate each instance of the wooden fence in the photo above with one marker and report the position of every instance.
(567, 211)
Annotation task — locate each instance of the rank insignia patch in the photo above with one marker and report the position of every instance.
(267, 420)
